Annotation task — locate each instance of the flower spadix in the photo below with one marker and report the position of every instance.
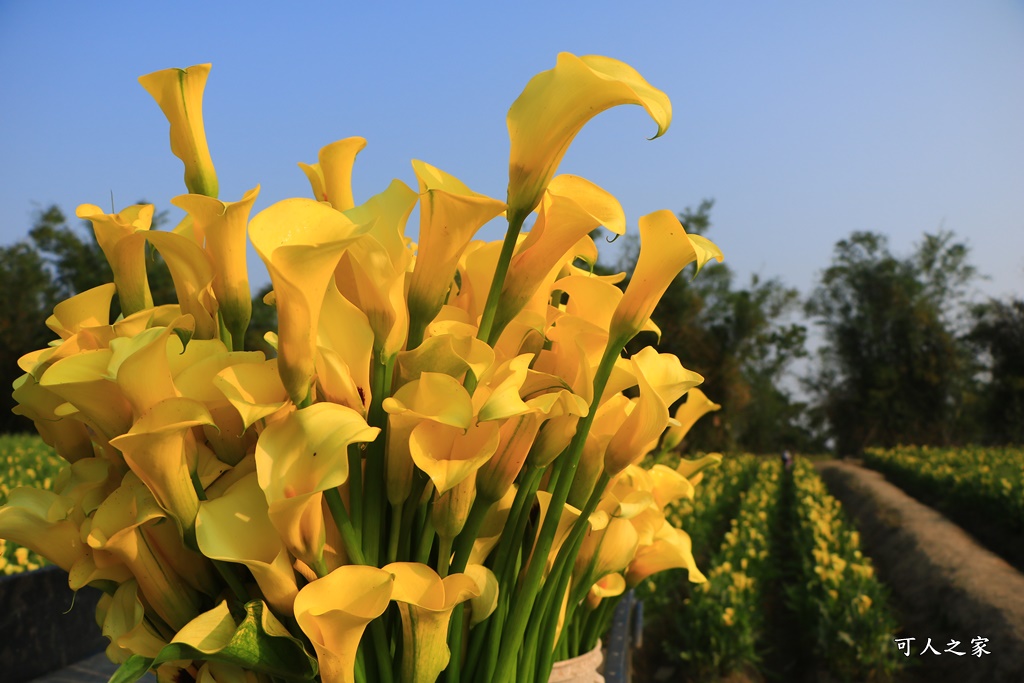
(665, 249)
(301, 242)
(334, 611)
(179, 92)
(297, 459)
(555, 105)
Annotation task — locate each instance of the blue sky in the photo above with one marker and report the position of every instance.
(803, 120)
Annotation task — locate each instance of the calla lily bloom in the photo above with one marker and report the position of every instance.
(450, 454)
(344, 352)
(122, 237)
(122, 620)
(297, 459)
(236, 527)
(192, 272)
(570, 209)
(254, 389)
(555, 105)
(372, 272)
(223, 225)
(331, 176)
(665, 249)
(671, 549)
(450, 214)
(334, 611)
(179, 92)
(696, 406)
(157, 448)
(608, 586)
(36, 519)
(68, 436)
(117, 528)
(301, 242)
(88, 309)
(426, 602)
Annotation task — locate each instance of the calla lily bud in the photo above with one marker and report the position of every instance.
(179, 92)
(122, 237)
(331, 176)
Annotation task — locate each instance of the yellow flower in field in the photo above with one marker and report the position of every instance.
(179, 92)
(729, 616)
(862, 603)
(555, 105)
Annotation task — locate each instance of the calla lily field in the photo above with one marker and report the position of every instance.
(440, 476)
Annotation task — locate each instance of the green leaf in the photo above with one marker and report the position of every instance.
(260, 643)
(132, 670)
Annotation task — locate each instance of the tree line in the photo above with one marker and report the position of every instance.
(905, 356)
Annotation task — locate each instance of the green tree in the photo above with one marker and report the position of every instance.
(27, 296)
(892, 369)
(997, 334)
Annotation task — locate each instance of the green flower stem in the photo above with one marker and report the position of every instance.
(455, 644)
(470, 531)
(509, 544)
(444, 555)
(564, 562)
(508, 247)
(516, 629)
(355, 488)
(380, 645)
(426, 542)
(375, 500)
(394, 533)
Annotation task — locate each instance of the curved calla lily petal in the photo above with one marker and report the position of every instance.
(426, 602)
(301, 242)
(555, 105)
(696, 406)
(179, 92)
(297, 459)
(236, 527)
(665, 249)
(122, 238)
(122, 621)
(331, 176)
(335, 610)
(671, 549)
(450, 214)
(33, 518)
(223, 225)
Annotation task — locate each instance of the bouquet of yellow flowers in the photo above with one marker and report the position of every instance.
(438, 472)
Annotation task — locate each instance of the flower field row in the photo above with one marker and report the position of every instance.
(836, 596)
(723, 621)
(788, 549)
(24, 461)
(989, 481)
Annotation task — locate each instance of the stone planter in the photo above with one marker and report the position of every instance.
(44, 626)
(582, 669)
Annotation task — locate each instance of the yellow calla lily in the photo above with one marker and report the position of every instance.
(433, 397)
(254, 389)
(570, 209)
(334, 611)
(122, 620)
(223, 224)
(122, 238)
(236, 527)
(450, 454)
(160, 449)
(555, 105)
(179, 92)
(90, 308)
(665, 249)
(331, 176)
(192, 272)
(450, 214)
(671, 549)
(344, 352)
(608, 586)
(83, 381)
(35, 519)
(606, 550)
(372, 272)
(297, 459)
(66, 435)
(117, 528)
(450, 354)
(301, 242)
(696, 406)
(426, 602)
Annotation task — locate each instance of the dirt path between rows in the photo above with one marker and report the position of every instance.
(944, 585)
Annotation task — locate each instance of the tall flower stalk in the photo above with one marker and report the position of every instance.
(439, 475)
